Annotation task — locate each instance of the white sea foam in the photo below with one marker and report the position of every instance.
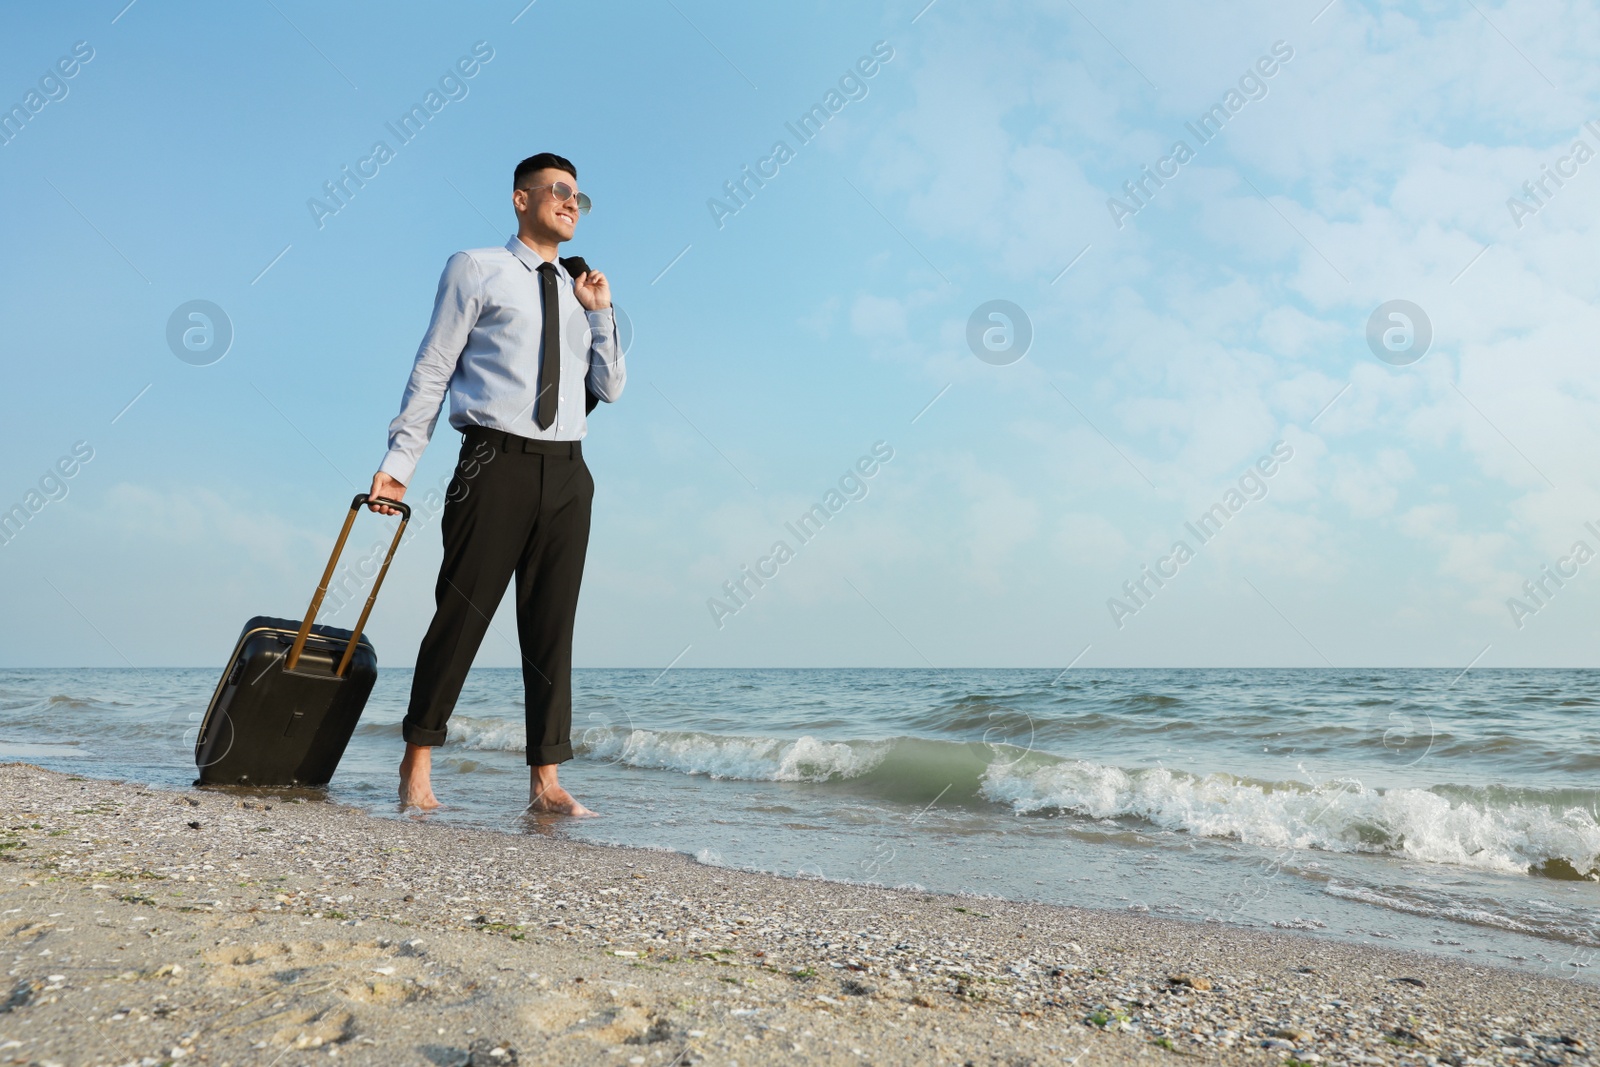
(1338, 816)
(1549, 927)
(1419, 907)
(1342, 815)
(488, 735)
(761, 759)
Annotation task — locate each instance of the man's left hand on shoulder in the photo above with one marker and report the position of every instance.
(592, 290)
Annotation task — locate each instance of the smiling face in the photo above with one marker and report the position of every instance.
(538, 209)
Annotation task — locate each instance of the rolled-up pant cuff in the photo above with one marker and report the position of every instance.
(544, 754)
(417, 735)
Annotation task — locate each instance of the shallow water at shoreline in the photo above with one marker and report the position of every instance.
(1407, 808)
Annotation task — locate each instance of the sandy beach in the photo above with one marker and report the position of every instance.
(152, 926)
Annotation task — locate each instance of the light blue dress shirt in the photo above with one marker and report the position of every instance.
(484, 346)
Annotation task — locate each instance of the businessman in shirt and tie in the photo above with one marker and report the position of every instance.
(509, 343)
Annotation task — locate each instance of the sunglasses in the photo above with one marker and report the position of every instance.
(562, 191)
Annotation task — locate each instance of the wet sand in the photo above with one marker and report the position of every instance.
(151, 926)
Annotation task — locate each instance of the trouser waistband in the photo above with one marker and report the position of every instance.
(505, 441)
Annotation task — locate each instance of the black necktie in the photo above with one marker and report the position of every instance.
(550, 352)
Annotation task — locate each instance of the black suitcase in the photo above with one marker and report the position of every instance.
(293, 692)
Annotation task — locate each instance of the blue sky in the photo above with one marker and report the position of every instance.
(1175, 340)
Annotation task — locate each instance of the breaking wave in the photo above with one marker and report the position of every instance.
(1546, 832)
(1551, 833)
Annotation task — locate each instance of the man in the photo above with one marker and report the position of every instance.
(509, 343)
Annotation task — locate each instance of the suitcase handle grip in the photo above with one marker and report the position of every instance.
(363, 498)
(327, 576)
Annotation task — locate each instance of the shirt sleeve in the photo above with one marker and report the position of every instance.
(455, 312)
(607, 372)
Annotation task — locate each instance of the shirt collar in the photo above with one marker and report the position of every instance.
(530, 258)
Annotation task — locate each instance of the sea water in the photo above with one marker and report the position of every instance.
(1447, 812)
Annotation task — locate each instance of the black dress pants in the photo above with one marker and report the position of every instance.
(516, 506)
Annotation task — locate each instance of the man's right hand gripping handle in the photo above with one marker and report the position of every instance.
(385, 486)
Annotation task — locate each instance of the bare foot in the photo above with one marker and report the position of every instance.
(545, 794)
(416, 791)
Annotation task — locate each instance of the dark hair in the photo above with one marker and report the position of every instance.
(540, 162)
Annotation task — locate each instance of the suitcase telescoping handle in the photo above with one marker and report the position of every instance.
(327, 576)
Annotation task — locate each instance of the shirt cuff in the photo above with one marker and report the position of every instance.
(398, 466)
